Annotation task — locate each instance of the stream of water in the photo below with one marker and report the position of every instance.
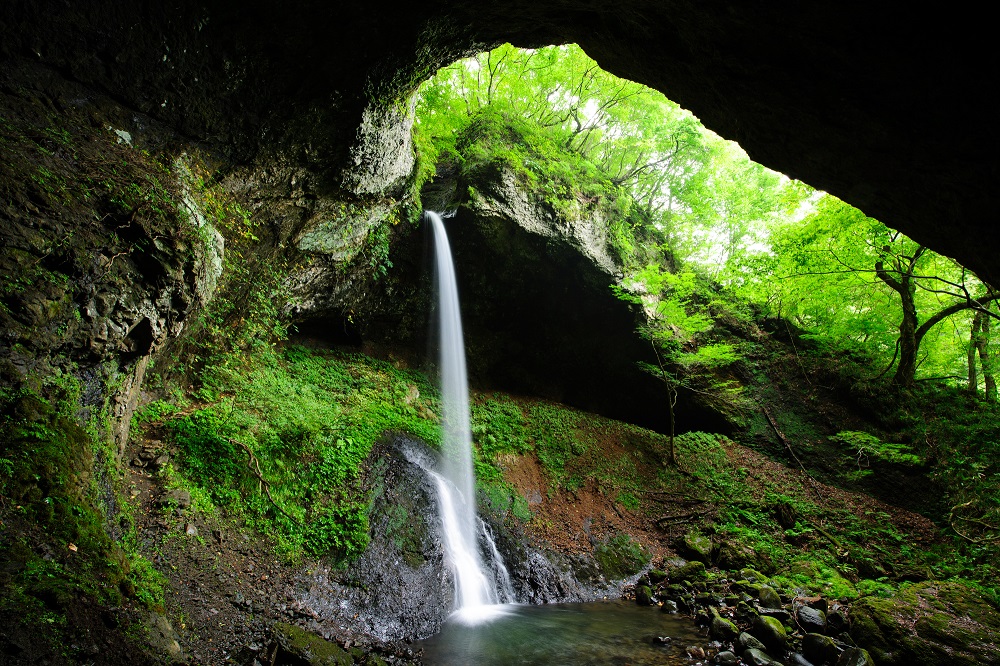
(478, 591)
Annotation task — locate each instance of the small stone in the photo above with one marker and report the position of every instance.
(191, 530)
(727, 658)
(779, 614)
(669, 606)
(819, 648)
(756, 657)
(643, 596)
(811, 620)
(147, 454)
(820, 604)
(836, 622)
(161, 461)
(695, 652)
(178, 496)
(747, 642)
(855, 657)
(657, 576)
(768, 597)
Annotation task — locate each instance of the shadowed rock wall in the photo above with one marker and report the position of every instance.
(884, 108)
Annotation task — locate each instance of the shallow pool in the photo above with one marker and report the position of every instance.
(611, 632)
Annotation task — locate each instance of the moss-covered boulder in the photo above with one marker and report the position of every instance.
(928, 624)
(688, 573)
(771, 633)
(768, 597)
(696, 546)
(298, 643)
(855, 657)
(723, 630)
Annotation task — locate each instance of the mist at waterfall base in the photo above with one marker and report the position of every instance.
(479, 592)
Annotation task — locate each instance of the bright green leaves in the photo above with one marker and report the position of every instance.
(284, 441)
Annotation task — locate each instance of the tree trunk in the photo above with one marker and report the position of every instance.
(982, 345)
(977, 322)
(909, 342)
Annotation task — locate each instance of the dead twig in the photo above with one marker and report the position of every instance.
(974, 521)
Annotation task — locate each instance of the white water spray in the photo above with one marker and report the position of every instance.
(475, 592)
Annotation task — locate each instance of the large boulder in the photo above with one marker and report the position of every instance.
(928, 624)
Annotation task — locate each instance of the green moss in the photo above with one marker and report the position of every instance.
(621, 556)
(928, 623)
(311, 648)
(307, 422)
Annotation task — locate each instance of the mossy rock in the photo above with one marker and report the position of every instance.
(689, 572)
(621, 556)
(299, 643)
(770, 632)
(697, 546)
(723, 630)
(928, 624)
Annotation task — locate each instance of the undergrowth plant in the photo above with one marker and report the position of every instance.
(280, 439)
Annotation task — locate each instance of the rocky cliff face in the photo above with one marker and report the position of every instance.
(106, 254)
(887, 112)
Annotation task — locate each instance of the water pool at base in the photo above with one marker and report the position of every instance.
(610, 632)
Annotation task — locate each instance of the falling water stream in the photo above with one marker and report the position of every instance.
(486, 627)
(478, 591)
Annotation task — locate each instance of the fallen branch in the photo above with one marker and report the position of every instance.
(254, 466)
(976, 540)
(680, 517)
(784, 440)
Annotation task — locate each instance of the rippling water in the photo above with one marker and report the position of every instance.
(612, 632)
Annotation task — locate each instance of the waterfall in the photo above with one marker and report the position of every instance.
(475, 589)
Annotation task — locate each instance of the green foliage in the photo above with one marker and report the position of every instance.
(867, 447)
(306, 421)
(499, 426)
(340, 530)
(50, 473)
